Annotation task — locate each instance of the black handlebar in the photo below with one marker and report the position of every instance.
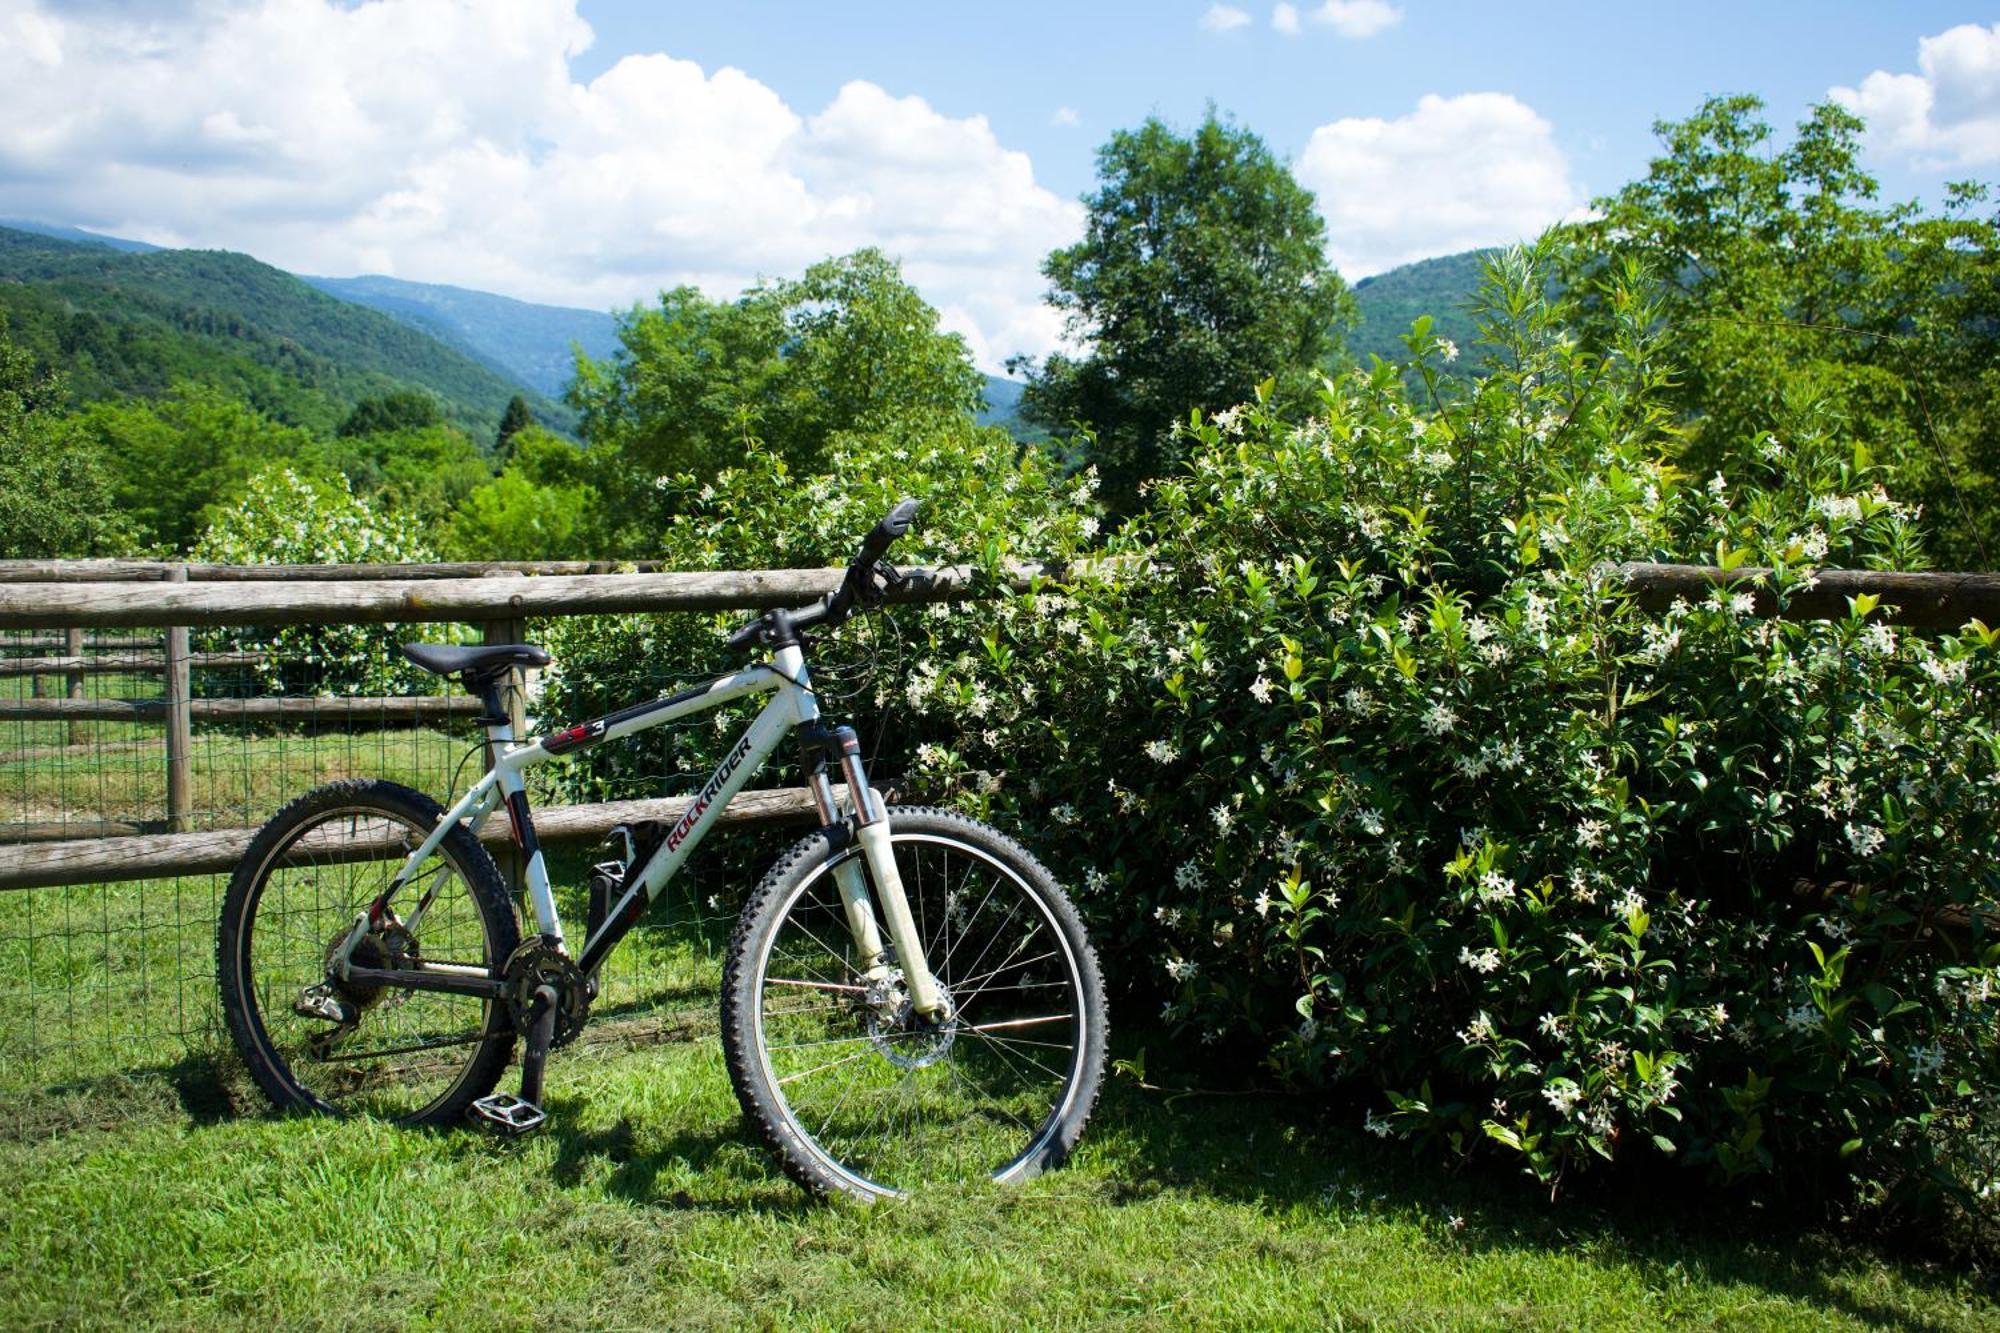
(857, 586)
(876, 544)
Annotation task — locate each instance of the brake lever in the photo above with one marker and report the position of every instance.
(872, 596)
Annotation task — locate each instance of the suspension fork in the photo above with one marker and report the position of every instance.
(872, 832)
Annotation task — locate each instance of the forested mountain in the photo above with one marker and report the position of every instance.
(121, 323)
(1442, 288)
(79, 235)
(527, 342)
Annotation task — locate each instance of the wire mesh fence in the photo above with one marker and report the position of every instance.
(115, 978)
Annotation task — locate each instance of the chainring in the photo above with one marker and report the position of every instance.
(537, 964)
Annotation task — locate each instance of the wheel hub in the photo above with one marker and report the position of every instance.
(906, 1038)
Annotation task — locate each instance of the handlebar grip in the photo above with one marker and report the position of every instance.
(877, 542)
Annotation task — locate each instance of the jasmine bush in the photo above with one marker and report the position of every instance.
(288, 517)
(1358, 755)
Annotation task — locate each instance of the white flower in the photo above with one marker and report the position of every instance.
(1181, 969)
(1945, 671)
(1381, 1129)
(1164, 752)
(1064, 813)
(1370, 820)
(1551, 1025)
(1495, 887)
(1742, 603)
(1095, 880)
(1879, 639)
(1088, 525)
(1359, 701)
(1483, 960)
(1188, 877)
(1260, 690)
(1447, 349)
(1803, 1018)
(1167, 916)
(1865, 841)
(1563, 1094)
(1223, 817)
(1478, 1030)
(1263, 903)
(1925, 1060)
(1590, 833)
(1439, 719)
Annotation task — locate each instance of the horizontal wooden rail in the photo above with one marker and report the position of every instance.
(155, 571)
(394, 708)
(42, 643)
(32, 606)
(137, 664)
(1925, 600)
(60, 830)
(215, 852)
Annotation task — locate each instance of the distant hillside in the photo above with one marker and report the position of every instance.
(1389, 302)
(527, 342)
(78, 235)
(131, 323)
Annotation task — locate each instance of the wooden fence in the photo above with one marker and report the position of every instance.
(72, 595)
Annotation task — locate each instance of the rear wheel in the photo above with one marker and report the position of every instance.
(315, 1042)
(856, 1093)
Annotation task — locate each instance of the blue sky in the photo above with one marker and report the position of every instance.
(1601, 73)
(591, 152)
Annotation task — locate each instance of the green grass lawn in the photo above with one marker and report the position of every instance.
(645, 1205)
(171, 1198)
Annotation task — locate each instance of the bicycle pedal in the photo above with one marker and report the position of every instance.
(504, 1113)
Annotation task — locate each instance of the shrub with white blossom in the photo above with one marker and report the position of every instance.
(1358, 754)
(285, 517)
(1440, 812)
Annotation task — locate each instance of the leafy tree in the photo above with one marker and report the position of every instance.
(849, 345)
(404, 409)
(1202, 272)
(418, 474)
(542, 507)
(512, 421)
(176, 460)
(1792, 293)
(55, 499)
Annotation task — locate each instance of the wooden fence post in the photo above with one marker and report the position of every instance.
(73, 647)
(180, 734)
(513, 698)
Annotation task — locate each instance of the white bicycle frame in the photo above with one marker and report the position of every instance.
(793, 706)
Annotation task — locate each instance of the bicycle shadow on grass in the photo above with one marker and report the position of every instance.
(1282, 1153)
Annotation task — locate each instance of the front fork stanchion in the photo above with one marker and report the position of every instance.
(847, 875)
(873, 834)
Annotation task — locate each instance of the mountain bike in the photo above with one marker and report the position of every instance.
(908, 998)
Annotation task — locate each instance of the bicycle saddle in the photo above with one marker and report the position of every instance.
(480, 659)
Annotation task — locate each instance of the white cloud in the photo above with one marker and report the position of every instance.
(450, 143)
(1225, 18)
(1458, 172)
(1065, 118)
(1947, 116)
(1358, 18)
(1285, 18)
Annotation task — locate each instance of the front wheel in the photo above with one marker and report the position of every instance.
(859, 1095)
